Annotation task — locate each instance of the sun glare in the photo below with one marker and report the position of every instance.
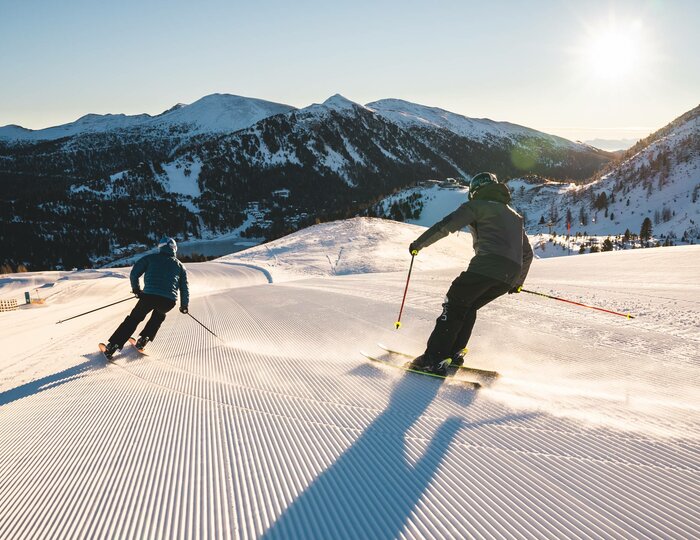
(615, 52)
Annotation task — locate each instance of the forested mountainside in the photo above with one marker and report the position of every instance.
(98, 193)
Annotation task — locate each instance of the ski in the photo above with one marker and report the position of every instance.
(478, 371)
(103, 348)
(141, 351)
(450, 378)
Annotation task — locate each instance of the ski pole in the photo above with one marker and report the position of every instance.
(98, 309)
(410, 268)
(579, 304)
(207, 329)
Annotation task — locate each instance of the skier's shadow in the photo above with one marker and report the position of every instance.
(372, 489)
(93, 361)
(52, 381)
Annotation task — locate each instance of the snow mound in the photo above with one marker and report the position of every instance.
(354, 246)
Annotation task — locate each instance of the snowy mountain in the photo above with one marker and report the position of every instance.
(411, 115)
(612, 145)
(280, 428)
(227, 165)
(90, 123)
(481, 144)
(216, 113)
(658, 178)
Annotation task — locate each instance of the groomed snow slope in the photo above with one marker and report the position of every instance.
(282, 429)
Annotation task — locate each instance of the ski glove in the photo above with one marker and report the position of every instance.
(184, 310)
(138, 293)
(413, 248)
(515, 289)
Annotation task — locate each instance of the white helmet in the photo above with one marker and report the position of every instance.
(167, 241)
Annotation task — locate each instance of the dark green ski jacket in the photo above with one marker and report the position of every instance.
(165, 275)
(501, 248)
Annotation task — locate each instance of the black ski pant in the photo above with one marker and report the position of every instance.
(453, 328)
(159, 305)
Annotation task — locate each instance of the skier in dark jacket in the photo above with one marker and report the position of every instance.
(502, 257)
(164, 276)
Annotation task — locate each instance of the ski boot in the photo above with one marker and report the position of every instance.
(427, 364)
(458, 357)
(110, 349)
(142, 342)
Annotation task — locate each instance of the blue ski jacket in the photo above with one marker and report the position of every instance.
(165, 275)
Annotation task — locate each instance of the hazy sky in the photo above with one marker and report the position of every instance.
(581, 69)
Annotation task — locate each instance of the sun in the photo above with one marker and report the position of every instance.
(615, 52)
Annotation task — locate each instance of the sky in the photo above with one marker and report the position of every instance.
(583, 70)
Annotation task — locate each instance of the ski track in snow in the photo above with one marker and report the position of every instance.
(282, 430)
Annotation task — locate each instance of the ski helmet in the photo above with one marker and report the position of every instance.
(479, 181)
(167, 241)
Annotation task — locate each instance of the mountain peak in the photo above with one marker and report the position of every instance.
(224, 113)
(338, 101)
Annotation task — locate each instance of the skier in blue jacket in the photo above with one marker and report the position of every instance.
(164, 277)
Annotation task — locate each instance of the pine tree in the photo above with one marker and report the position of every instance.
(645, 231)
(583, 217)
(601, 201)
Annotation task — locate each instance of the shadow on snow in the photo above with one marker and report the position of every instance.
(371, 490)
(52, 381)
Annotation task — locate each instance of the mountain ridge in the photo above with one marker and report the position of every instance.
(121, 189)
(218, 113)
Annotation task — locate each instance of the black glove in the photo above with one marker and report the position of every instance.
(184, 310)
(413, 248)
(138, 293)
(515, 289)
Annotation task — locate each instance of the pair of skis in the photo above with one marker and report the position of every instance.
(103, 348)
(453, 374)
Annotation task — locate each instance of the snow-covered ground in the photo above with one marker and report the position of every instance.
(281, 429)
